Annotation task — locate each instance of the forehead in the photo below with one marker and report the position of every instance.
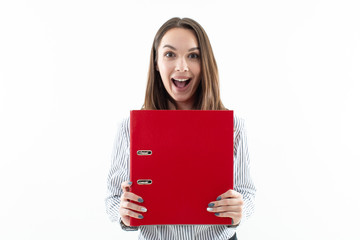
(180, 38)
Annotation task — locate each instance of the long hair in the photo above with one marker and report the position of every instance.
(208, 92)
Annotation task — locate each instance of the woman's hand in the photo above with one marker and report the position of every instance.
(129, 209)
(230, 204)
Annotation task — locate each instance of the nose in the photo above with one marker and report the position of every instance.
(181, 65)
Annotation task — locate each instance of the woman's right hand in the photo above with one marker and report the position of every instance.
(130, 209)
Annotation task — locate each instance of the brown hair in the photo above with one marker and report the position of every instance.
(208, 92)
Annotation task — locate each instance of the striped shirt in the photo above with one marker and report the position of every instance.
(119, 172)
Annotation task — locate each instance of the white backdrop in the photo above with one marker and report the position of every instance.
(70, 70)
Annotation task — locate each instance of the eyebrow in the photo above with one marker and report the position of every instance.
(173, 48)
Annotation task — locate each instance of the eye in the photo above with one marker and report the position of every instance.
(169, 54)
(194, 55)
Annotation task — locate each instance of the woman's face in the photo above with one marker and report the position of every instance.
(179, 65)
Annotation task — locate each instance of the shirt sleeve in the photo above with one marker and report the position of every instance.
(119, 172)
(242, 179)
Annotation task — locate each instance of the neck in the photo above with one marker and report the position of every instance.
(181, 105)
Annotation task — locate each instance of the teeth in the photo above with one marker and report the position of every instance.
(181, 80)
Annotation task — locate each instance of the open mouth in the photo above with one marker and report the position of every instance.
(181, 83)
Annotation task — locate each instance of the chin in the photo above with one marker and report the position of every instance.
(181, 99)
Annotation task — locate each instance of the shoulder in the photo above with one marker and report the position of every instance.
(239, 123)
(123, 127)
(125, 122)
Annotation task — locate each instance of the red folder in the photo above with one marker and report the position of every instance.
(180, 161)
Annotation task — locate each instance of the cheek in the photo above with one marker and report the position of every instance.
(164, 77)
(196, 69)
(164, 74)
(164, 69)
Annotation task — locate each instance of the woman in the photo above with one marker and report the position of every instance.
(182, 76)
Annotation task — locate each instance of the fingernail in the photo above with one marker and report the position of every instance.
(141, 216)
(129, 183)
(211, 204)
(140, 200)
(209, 209)
(218, 198)
(143, 209)
(217, 214)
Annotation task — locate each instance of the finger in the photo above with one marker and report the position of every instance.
(133, 206)
(127, 212)
(234, 215)
(229, 194)
(125, 186)
(227, 202)
(129, 196)
(235, 208)
(125, 220)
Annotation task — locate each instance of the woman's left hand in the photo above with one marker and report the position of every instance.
(229, 204)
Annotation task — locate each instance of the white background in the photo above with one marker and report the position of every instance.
(70, 70)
